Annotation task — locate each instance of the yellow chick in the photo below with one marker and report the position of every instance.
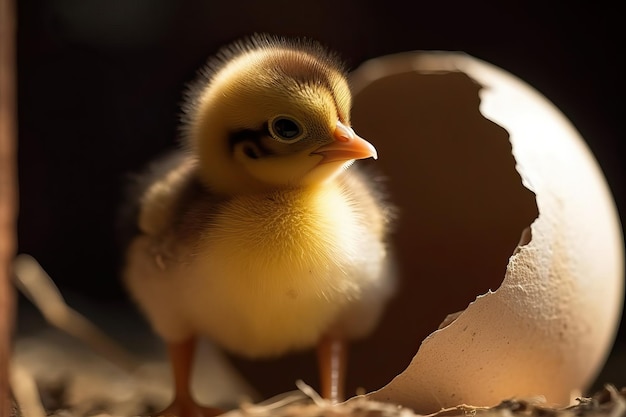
(256, 234)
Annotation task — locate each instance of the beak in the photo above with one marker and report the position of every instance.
(346, 146)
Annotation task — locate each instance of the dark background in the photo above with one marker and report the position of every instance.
(100, 85)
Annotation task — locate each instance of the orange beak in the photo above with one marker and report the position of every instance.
(346, 146)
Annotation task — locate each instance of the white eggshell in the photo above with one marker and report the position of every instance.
(549, 326)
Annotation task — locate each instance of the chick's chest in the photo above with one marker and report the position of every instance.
(266, 255)
(306, 232)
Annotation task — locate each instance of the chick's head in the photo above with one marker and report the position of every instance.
(272, 114)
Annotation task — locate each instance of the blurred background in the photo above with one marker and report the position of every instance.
(101, 81)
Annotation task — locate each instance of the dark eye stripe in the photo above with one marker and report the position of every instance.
(250, 135)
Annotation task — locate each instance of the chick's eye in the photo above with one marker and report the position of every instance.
(286, 129)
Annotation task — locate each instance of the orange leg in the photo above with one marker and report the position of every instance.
(332, 357)
(181, 357)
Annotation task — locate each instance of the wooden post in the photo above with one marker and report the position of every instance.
(8, 191)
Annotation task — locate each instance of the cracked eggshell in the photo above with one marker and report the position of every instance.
(549, 325)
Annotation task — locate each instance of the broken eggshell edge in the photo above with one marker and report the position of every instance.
(550, 325)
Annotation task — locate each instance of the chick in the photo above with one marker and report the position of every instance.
(256, 234)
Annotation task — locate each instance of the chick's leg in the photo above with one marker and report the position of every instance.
(181, 357)
(332, 357)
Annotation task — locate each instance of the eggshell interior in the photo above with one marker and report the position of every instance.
(474, 157)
